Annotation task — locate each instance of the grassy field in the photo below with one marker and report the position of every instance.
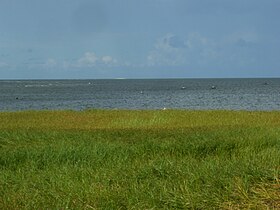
(116, 159)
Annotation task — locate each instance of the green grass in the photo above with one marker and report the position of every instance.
(169, 159)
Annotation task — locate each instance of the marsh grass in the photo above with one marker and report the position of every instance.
(170, 159)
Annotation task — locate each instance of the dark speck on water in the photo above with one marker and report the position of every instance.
(213, 87)
(231, 94)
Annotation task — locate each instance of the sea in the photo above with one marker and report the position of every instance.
(138, 94)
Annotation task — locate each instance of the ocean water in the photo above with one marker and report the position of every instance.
(230, 94)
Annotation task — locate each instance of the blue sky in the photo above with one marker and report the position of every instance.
(52, 39)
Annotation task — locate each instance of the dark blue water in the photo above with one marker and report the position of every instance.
(231, 94)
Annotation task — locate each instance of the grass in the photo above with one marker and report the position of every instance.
(120, 159)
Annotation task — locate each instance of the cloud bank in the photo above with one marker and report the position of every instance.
(198, 51)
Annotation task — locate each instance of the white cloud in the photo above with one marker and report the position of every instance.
(197, 42)
(90, 59)
(247, 36)
(170, 42)
(108, 60)
(195, 50)
(166, 52)
(4, 64)
(172, 50)
(49, 63)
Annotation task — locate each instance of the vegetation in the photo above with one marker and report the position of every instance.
(119, 159)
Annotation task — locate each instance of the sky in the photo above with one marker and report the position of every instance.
(94, 39)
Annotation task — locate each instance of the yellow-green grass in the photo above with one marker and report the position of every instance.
(120, 159)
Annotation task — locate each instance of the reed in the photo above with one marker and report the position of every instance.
(120, 159)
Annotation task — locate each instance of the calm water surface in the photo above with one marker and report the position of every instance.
(233, 94)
